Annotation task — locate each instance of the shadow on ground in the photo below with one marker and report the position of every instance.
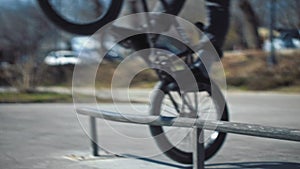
(172, 165)
(254, 165)
(238, 165)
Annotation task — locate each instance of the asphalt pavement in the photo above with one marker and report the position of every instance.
(52, 136)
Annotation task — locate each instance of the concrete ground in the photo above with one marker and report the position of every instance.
(50, 136)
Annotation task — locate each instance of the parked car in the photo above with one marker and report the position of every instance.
(288, 38)
(90, 50)
(65, 57)
(62, 57)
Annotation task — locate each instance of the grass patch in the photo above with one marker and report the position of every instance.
(251, 72)
(44, 97)
(292, 89)
(51, 97)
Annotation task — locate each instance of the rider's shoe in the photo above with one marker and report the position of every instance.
(200, 72)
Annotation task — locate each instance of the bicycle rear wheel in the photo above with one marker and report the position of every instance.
(81, 16)
(176, 142)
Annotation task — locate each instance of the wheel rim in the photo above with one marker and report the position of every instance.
(177, 142)
(80, 11)
(84, 28)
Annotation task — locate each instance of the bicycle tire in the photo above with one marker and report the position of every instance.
(90, 28)
(162, 141)
(85, 28)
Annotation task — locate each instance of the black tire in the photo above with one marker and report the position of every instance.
(91, 27)
(162, 139)
(85, 28)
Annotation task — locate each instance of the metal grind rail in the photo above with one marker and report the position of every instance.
(197, 124)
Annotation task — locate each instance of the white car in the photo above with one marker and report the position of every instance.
(62, 57)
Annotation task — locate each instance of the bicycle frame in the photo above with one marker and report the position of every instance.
(160, 66)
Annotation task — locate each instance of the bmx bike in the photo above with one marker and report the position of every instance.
(170, 100)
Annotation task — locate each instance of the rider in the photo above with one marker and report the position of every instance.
(218, 21)
(216, 29)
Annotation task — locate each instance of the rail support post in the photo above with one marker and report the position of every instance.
(93, 130)
(198, 146)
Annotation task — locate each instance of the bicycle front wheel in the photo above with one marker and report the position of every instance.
(176, 142)
(81, 16)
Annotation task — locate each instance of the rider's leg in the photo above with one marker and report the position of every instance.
(174, 6)
(215, 31)
(218, 22)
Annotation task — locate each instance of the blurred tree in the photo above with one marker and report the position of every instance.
(250, 25)
(26, 36)
(249, 15)
(22, 34)
(287, 13)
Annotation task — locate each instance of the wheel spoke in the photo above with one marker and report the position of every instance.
(174, 102)
(180, 139)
